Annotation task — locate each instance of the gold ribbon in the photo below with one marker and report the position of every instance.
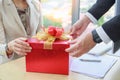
(49, 39)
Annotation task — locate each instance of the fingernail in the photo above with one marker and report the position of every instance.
(66, 50)
(30, 48)
(28, 44)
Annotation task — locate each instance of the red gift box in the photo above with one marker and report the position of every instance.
(54, 61)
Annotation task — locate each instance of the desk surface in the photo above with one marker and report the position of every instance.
(15, 70)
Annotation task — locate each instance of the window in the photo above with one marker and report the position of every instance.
(86, 4)
(63, 13)
(57, 12)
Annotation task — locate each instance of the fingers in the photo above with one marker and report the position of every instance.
(73, 41)
(23, 39)
(81, 46)
(75, 32)
(75, 50)
(72, 30)
(78, 28)
(76, 53)
(22, 43)
(20, 46)
(22, 49)
(72, 48)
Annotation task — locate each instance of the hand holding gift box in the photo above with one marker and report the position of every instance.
(48, 52)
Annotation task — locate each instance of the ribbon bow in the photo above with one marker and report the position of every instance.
(50, 34)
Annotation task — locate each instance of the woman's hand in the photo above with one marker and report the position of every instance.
(19, 46)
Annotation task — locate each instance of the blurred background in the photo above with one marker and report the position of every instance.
(63, 13)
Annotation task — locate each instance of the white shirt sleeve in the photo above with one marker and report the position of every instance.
(105, 38)
(102, 34)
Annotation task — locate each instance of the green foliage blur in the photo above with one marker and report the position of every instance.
(101, 21)
(47, 22)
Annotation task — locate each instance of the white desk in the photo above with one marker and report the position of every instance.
(15, 70)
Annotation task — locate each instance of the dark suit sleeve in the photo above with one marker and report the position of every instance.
(100, 7)
(112, 28)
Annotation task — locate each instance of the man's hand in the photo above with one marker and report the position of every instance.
(81, 45)
(79, 27)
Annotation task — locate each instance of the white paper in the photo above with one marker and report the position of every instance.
(93, 69)
(101, 49)
(117, 53)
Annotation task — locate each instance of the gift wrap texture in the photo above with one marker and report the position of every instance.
(54, 60)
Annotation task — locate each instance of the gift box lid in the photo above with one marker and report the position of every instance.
(57, 45)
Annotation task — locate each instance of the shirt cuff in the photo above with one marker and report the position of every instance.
(102, 34)
(4, 55)
(11, 56)
(6, 59)
(91, 17)
(2, 49)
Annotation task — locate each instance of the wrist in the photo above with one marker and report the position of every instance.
(8, 50)
(86, 19)
(96, 37)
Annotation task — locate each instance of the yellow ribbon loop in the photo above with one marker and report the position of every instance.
(49, 39)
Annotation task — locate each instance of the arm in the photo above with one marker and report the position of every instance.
(100, 8)
(112, 28)
(3, 51)
(82, 45)
(97, 10)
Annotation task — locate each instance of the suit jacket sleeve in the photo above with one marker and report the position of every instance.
(112, 28)
(100, 8)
